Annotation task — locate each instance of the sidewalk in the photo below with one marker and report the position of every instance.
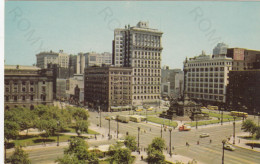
(102, 137)
(174, 158)
(240, 142)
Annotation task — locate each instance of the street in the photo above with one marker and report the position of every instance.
(205, 152)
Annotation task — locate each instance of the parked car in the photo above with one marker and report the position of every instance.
(229, 147)
(203, 135)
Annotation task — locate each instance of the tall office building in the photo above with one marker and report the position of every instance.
(140, 47)
(221, 48)
(45, 58)
(172, 82)
(206, 77)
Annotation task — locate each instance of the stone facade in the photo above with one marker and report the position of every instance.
(140, 47)
(27, 86)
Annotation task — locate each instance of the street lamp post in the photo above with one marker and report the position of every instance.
(170, 130)
(234, 130)
(146, 115)
(138, 138)
(99, 116)
(161, 130)
(196, 117)
(5, 148)
(223, 142)
(109, 129)
(58, 139)
(117, 127)
(221, 117)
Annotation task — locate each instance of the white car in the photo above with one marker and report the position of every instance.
(203, 135)
(229, 147)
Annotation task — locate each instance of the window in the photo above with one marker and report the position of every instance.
(15, 98)
(6, 98)
(23, 89)
(31, 89)
(31, 97)
(23, 98)
(6, 89)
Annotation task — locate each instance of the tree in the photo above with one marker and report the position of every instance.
(81, 126)
(130, 142)
(80, 116)
(155, 151)
(122, 156)
(78, 153)
(257, 131)
(11, 130)
(249, 126)
(19, 157)
(158, 144)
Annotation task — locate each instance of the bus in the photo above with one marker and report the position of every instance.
(239, 114)
(212, 107)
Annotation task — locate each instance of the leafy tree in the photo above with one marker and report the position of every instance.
(155, 151)
(158, 144)
(122, 156)
(130, 143)
(11, 130)
(19, 157)
(249, 126)
(257, 131)
(78, 153)
(80, 116)
(81, 126)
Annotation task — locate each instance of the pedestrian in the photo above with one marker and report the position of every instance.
(210, 141)
(198, 142)
(142, 157)
(150, 129)
(239, 141)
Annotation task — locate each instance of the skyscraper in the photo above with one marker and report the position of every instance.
(140, 47)
(221, 48)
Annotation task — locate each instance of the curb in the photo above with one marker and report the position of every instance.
(243, 147)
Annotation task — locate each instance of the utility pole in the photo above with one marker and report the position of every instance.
(117, 127)
(161, 130)
(58, 125)
(99, 116)
(196, 121)
(170, 141)
(138, 145)
(146, 115)
(221, 117)
(109, 129)
(223, 142)
(234, 130)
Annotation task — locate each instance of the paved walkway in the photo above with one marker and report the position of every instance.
(173, 158)
(242, 143)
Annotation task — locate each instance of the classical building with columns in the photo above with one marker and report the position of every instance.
(27, 86)
(140, 47)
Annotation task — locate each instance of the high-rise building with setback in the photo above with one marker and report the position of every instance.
(221, 48)
(206, 77)
(140, 47)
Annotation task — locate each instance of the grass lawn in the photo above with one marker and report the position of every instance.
(207, 122)
(162, 121)
(218, 115)
(148, 113)
(249, 137)
(31, 140)
(107, 161)
(72, 130)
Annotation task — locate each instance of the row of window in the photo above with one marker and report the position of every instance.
(206, 74)
(147, 91)
(210, 63)
(202, 96)
(205, 85)
(146, 97)
(15, 98)
(7, 82)
(216, 80)
(215, 91)
(206, 69)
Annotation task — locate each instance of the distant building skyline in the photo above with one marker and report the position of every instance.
(86, 27)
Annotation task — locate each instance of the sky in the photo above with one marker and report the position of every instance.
(188, 27)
